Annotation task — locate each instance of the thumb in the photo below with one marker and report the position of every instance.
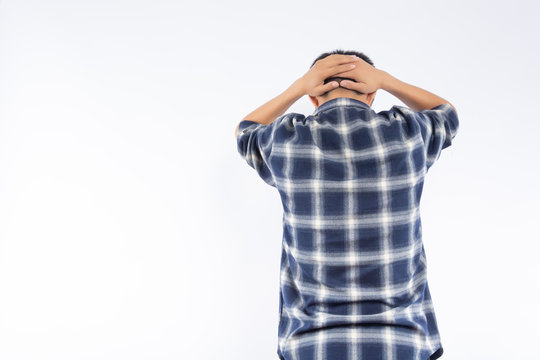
(321, 89)
(358, 86)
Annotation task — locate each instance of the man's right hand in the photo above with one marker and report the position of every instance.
(368, 78)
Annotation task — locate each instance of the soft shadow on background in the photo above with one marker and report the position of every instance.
(130, 227)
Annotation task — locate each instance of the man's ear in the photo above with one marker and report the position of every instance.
(371, 97)
(314, 101)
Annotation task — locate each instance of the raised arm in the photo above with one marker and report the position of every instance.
(369, 79)
(414, 97)
(311, 83)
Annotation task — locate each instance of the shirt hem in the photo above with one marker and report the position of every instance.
(437, 354)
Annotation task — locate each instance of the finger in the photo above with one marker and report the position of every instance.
(338, 59)
(342, 59)
(321, 89)
(353, 75)
(358, 86)
(340, 69)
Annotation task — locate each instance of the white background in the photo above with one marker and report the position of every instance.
(130, 227)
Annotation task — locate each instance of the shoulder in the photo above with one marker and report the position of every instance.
(405, 114)
(443, 109)
(289, 122)
(398, 112)
(291, 118)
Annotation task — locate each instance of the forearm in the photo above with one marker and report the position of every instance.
(274, 108)
(412, 96)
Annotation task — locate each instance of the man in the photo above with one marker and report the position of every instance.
(353, 281)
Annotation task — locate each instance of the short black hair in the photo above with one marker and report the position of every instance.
(342, 52)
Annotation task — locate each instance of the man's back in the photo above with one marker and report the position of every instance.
(353, 279)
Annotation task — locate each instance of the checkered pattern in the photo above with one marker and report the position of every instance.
(353, 281)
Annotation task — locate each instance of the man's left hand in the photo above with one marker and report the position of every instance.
(312, 82)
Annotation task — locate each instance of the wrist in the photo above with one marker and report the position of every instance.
(298, 89)
(386, 81)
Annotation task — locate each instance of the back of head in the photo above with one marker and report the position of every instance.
(337, 78)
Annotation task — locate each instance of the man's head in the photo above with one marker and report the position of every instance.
(341, 91)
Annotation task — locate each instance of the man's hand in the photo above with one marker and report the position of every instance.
(368, 78)
(312, 82)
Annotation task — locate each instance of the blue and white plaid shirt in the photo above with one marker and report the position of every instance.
(353, 282)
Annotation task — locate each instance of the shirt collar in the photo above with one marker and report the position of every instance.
(340, 101)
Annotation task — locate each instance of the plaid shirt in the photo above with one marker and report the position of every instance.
(353, 281)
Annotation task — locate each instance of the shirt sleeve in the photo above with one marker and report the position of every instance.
(254, 143)
(438, 127)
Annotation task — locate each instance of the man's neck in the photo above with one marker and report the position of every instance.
(359, 98)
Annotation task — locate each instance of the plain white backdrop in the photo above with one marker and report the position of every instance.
(130, 227)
